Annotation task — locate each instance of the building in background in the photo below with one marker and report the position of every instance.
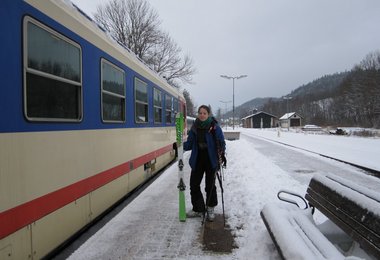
(260, 119)
(290, 120)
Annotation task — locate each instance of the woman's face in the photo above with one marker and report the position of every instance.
(202, 114)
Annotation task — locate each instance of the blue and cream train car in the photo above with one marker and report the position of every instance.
(83, 122)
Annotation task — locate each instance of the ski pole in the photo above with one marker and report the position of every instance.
(222, 191)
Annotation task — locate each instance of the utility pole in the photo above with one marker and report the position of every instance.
(233, 94)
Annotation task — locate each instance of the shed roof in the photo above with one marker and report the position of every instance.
(289, 115)
(257, 113)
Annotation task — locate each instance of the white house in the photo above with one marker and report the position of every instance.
(290, 120)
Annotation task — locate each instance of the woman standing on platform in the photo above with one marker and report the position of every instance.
(207, 145)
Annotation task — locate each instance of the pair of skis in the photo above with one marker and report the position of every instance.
(181, 185)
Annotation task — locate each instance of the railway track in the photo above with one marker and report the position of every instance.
(365, 169)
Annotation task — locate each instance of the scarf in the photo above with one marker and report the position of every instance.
(202, 127)
(203, 124)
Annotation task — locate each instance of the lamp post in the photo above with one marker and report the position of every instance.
(287, 109)
(233, 94)
(225, 103)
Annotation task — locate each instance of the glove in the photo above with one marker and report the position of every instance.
(224, 160)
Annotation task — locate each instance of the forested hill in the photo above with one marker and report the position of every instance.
(248, 107)
(350, 98)
(320, 88)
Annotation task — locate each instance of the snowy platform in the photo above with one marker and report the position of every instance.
(149, 228)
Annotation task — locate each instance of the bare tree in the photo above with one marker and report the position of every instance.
(370, 62)
(134, 24)
(359, 94)
(190, 108)
(165, 58)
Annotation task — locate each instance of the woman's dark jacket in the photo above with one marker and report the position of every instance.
(212, 134)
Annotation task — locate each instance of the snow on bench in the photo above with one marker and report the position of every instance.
(295, 235)
(353, 206)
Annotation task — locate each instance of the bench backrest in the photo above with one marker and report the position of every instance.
(353, 206)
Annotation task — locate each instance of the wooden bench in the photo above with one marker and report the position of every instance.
(353, 205)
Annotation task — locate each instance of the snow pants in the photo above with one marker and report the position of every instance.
(203, 166)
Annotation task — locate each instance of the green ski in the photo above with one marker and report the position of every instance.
(181, 185)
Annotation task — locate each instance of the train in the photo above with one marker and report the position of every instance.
(84, 123)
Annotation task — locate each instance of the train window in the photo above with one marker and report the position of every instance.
(168, 109)
(157, 97)
(53, 75)
(141, 101)
(113, 93)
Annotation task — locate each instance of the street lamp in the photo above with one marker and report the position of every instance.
(233, 95)
(225, 103)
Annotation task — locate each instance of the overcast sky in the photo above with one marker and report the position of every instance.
(279, 44)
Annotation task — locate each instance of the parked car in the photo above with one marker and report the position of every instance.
(338, 131)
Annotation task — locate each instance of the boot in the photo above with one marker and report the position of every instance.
(210, 214)
(194, 214)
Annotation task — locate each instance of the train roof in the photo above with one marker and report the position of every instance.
(72, 17)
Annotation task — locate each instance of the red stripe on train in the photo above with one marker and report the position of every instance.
(18, 217)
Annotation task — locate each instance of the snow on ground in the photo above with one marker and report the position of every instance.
(149, 228)
(251, 181)
(359, 150)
